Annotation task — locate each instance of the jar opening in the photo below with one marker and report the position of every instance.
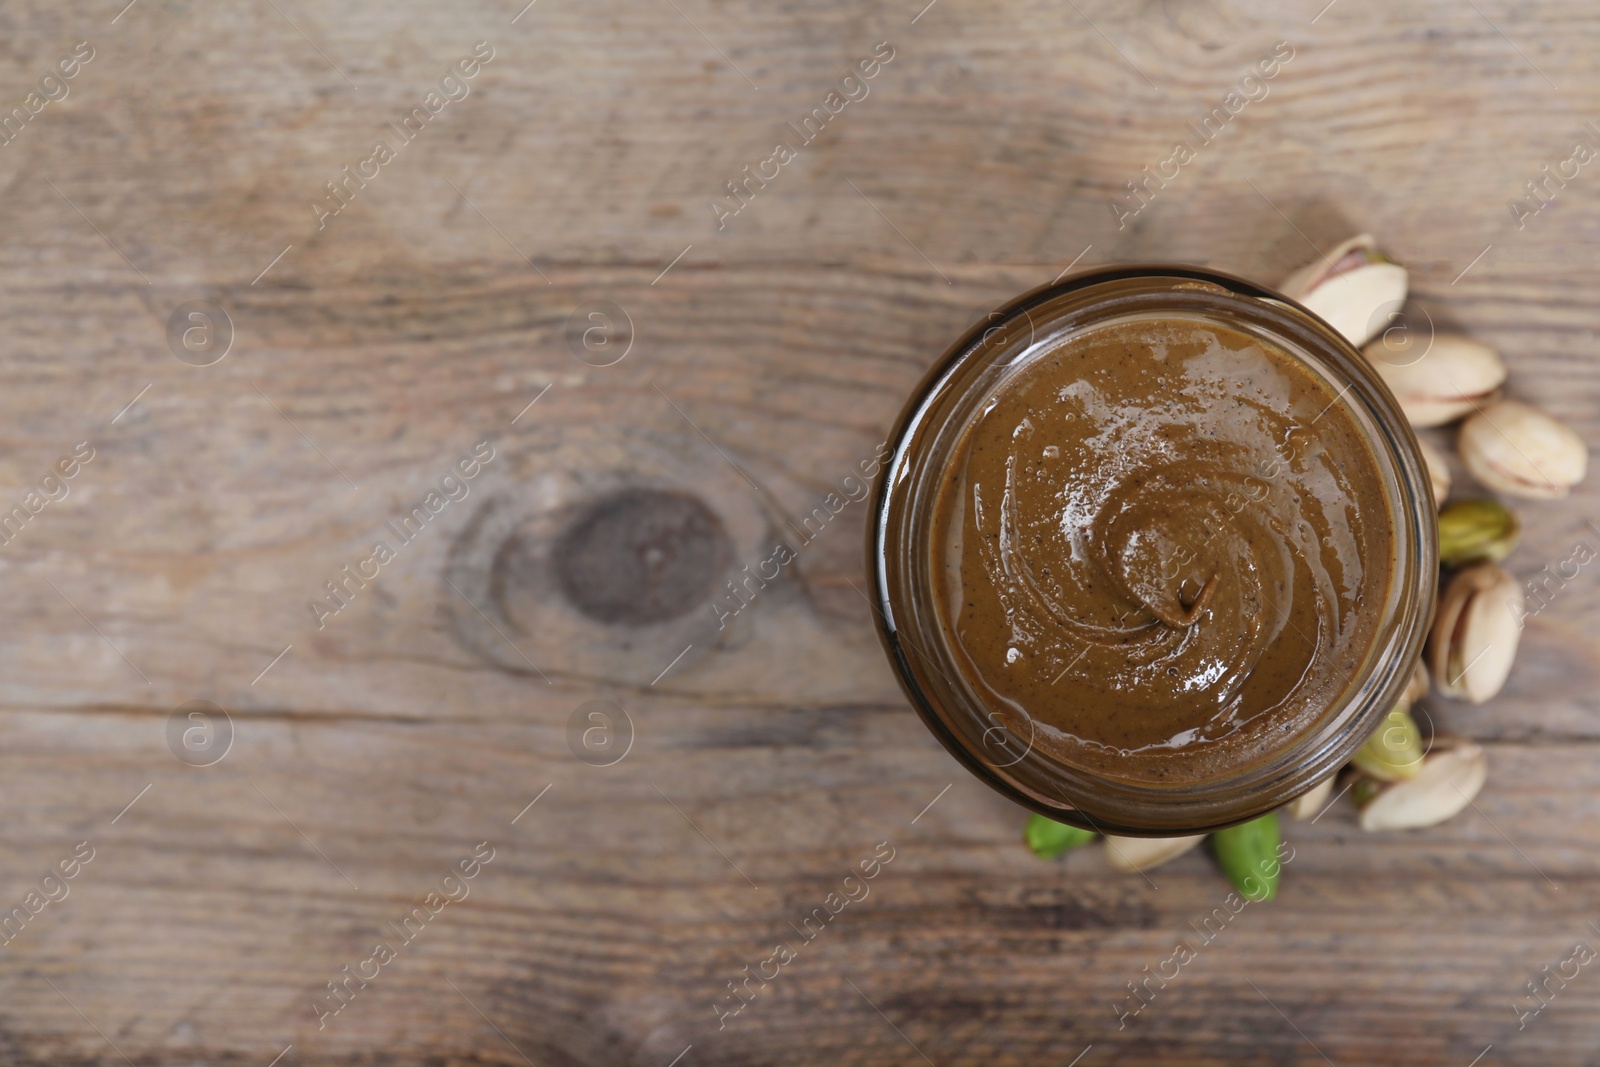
(1155, 550)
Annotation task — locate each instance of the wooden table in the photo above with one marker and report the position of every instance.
(749, 368)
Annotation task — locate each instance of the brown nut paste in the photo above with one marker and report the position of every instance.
(1158, 537)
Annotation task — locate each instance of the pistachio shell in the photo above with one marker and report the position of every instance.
(1351, 288)
(1351, 252)
(1135, 854)
(1439, 379)
(1515, 448)
(1475, 632)
(1450, 777)
(1418, 687)
(1438, 472)
(1310, 804)
(1471, 531)
(1394, 752)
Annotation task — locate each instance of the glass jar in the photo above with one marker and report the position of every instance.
(906, 556)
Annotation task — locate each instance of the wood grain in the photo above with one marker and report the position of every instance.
(770, 755)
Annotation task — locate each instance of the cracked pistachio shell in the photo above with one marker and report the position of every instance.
(1437, 379)
(1471, 531)
(1353, 288)
(1438, 472)
(1394, 752)
(1515, 448)
(1418, 687)
(1135, 854)
(1450, 777)
(1475, 632)
(1309, 804)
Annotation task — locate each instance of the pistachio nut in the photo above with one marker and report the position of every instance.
(1394, 752)
(1471, 531)
(1248, 855)
(1418, 687)
(1451, 776)
(1515, 448)
(1364, 790)
(1475, 632)
(1309, 805)
(1049, 839)
(1351, 288)
(1135, 854)
(1438, 472)
(1439, 379)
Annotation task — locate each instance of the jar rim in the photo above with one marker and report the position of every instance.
(901, 528)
